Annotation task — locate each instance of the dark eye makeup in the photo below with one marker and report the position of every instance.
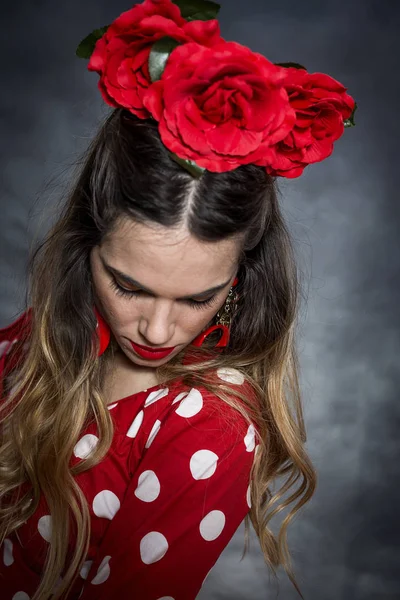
(120, 291)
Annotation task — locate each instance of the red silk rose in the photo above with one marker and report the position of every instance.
(321, 105)
(121, 55)
(221, 107)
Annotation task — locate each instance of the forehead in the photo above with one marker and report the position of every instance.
(169, 253)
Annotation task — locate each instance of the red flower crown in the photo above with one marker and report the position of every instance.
(218, 104)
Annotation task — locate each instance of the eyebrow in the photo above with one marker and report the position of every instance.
(135, 283)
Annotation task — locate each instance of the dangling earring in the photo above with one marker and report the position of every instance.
(103, 331)
(224, 317)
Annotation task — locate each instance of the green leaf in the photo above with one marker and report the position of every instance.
(290, 64)
(86, 47)
(350, 122)
(190, 166)
(159, 55)
(198, 10)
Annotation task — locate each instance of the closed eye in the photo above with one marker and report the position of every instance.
(121, 291)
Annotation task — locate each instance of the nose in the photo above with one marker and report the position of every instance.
(156, 326)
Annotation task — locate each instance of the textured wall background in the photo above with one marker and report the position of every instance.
(344, 216)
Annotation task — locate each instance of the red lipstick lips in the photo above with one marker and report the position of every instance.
(151, 353)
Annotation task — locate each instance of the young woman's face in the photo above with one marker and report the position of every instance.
(153, 286)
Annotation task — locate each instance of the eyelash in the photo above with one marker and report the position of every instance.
(120, 291)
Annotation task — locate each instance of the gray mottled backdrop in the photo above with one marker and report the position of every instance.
(344, 216)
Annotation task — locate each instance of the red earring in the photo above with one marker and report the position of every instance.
(103, 331)
(223, 321)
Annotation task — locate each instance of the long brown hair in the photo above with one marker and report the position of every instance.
(57, 388)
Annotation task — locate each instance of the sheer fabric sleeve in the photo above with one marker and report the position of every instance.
(187, 497)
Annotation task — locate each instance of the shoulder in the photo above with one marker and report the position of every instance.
(233, 384)
(215, 407)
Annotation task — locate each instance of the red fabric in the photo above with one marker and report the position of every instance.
(164, 503)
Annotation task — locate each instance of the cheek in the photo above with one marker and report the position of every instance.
(199, 319)
(121, 312)
(114, 308)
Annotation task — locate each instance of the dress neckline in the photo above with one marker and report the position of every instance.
(166, 384)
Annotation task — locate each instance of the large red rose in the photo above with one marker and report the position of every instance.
(121, 55)
(221, 107)
(321, 105)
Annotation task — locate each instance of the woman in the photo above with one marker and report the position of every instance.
(150, 390)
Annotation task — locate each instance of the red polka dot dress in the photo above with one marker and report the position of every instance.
(164, 502)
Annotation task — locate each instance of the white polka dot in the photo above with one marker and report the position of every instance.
(3, 346)
(156, 395)
(110, 406)
(179, 397)
(250, 440)
(166, 598)
(230, 375)
(86, 445)
(248, 497)
(153, 433)
(136, 423)
(44, 527)
(212, 525)
(148, 488)
(20, 596)
(153, 547)
(106, 504)
(191, 405)
(203, 464)
(84, 572)
(8, 552)
(103, 572)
